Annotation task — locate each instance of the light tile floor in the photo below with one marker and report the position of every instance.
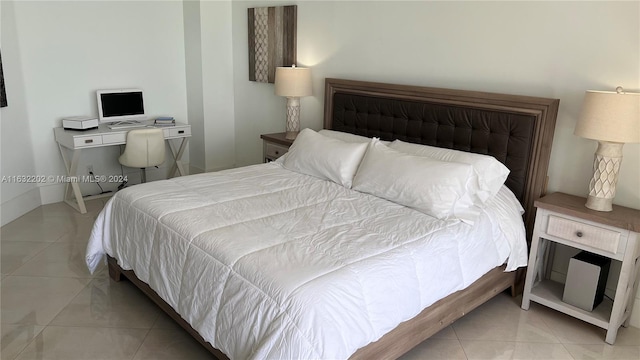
(53, 308)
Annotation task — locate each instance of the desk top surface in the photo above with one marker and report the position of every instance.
(103, 136)
(104, 129)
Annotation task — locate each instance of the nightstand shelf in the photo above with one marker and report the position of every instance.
(274, 146)
(549, 294)
(563, 219)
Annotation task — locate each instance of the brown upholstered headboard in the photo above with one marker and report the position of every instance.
(516, 130)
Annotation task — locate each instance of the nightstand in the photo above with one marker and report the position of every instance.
(563, 219)
(274, 146)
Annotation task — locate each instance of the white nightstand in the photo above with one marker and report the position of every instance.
(274, 146)
(564, 219)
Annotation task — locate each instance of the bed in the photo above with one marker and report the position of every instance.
(341, 273)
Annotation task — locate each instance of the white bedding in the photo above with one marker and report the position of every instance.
(267, 263)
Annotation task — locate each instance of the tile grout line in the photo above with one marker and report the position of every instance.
(143, 340)
(44, 327)
(30, 341)
(459, 341)
(29, 258)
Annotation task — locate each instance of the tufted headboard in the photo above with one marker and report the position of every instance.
(516, 130)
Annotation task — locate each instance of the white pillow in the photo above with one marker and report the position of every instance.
(323, 157)
(348, 137)
(437, 188)
(490, 173)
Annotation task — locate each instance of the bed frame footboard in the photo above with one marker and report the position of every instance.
(438, 316)
(392, 345)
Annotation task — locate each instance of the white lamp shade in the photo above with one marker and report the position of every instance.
(610, 116)
(293, 81)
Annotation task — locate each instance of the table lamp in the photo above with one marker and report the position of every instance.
(293, 82)
(612, 118)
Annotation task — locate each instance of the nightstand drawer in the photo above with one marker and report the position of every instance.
(274, 151)
(597, 237)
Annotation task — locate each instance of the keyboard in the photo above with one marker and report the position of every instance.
(126, 126)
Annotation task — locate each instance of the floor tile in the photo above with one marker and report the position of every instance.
(513, 350)
(15, 254)
(570, 330)
(57, 260)
(61, 209)
(164, 321)
(52, 221)
(28, 228)
(436, 349)
(15, 338)
(36, 300)
(502, 320)
(629, 336)
(604, 351)
(79, 232)
(70, 343)
(171, 345)
(107, 303)
(446, 333)
(488, 349)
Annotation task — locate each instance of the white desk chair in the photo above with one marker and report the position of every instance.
(144, 148)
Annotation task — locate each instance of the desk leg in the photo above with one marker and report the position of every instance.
(177, 156)
(72, 170)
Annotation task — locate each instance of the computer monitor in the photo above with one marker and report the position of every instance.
(120, 105)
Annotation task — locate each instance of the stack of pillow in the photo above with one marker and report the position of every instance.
(443, 183)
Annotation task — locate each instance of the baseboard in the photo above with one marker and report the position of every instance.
(51, 193)
(220, 168)
(195, 170)
(19, 205)
(635, 314)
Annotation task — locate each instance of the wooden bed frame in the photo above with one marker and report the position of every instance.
(542, 114)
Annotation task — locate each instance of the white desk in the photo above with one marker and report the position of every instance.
(74, 141)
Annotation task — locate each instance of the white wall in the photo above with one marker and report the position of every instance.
(193, 64)
(16, 150)
(70, 49)
(217, 84)
(209, 59)
(548, 49)
(257, 109)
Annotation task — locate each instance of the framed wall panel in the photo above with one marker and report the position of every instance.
(272, 40)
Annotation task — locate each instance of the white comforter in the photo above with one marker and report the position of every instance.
(267, 263)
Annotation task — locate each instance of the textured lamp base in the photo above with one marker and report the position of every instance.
(293, 117)
(602, 187)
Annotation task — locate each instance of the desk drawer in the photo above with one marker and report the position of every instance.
(92, 140)
(120, 138)
(179, 132)
(274, 151)
(597, 237)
